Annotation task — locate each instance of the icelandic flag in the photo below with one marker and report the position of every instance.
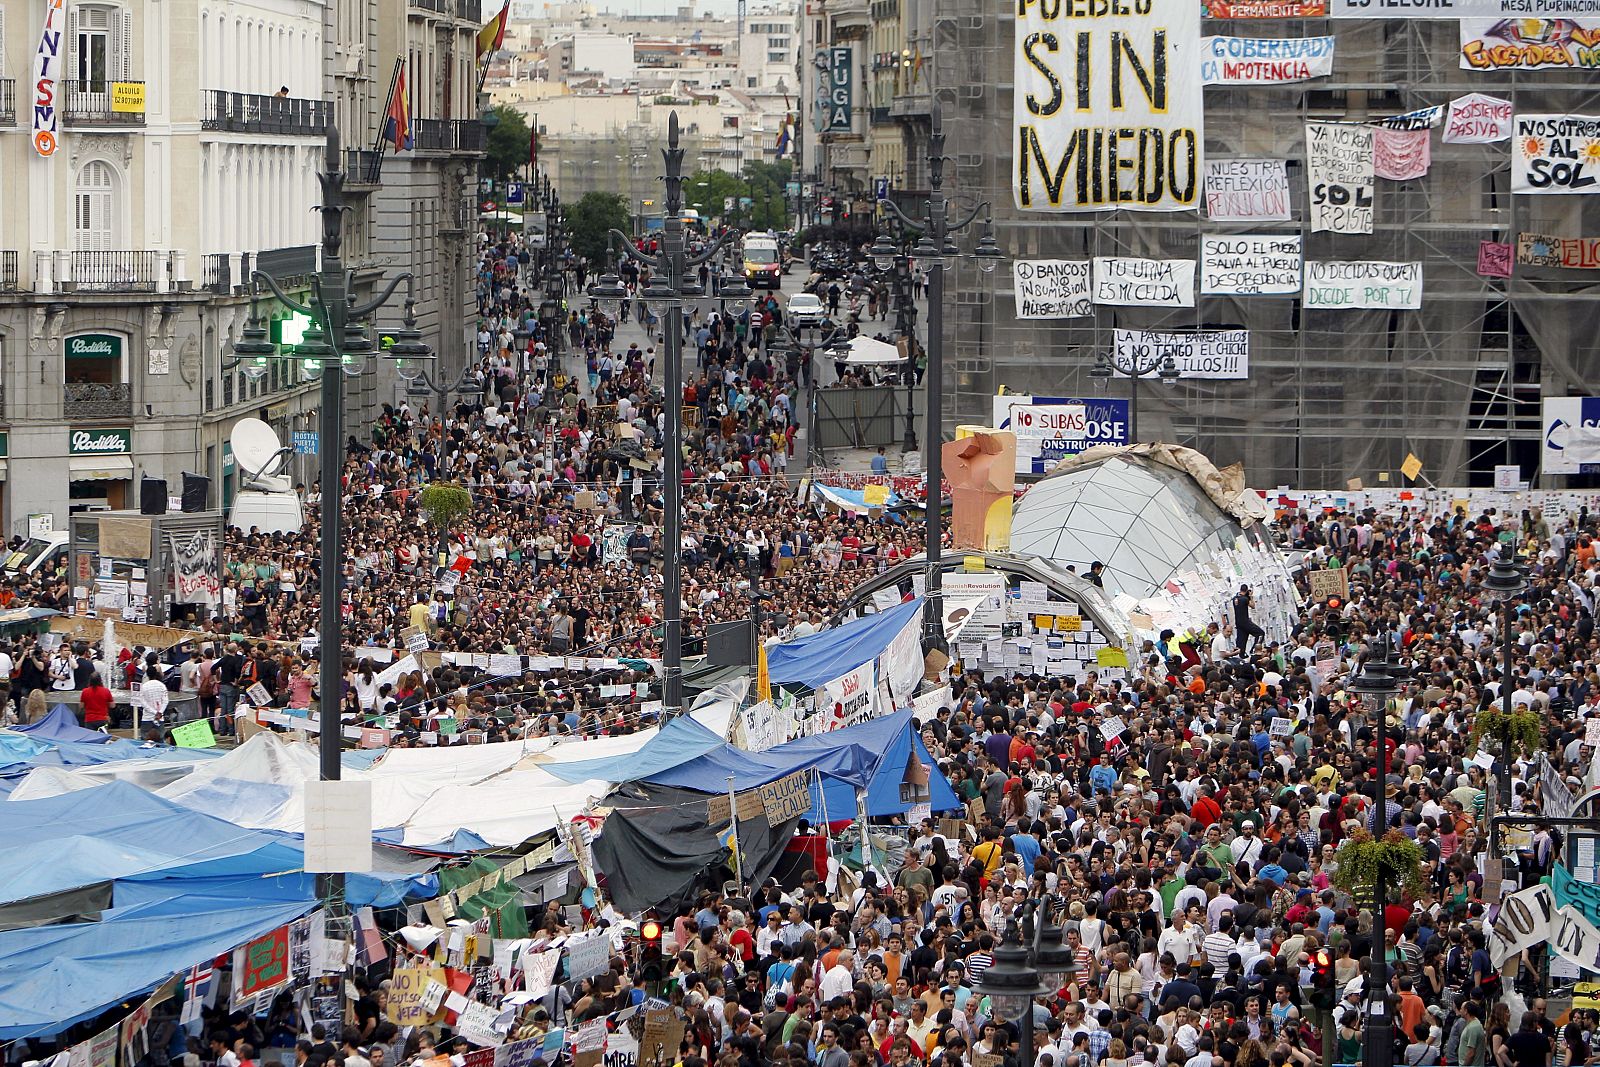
(197, 988)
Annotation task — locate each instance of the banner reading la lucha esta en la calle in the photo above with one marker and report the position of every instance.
(1108, 110)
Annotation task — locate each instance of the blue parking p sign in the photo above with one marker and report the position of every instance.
(514, 193)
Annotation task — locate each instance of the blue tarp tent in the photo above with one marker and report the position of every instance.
(61, 725)
(883, 792)
(822, 657)
(871, 754)
(185, 887)
(678, 742)
(121, 831)
(54, 976)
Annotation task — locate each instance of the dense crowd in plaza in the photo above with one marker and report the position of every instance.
(1194, 866)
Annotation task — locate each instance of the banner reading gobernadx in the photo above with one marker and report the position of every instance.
(1109, 105)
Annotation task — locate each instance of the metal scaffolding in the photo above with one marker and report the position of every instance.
(1332, 395)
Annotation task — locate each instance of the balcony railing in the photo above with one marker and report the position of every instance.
(118, 272)
(466, 10)
(362, 167)
(448, 135)
(250, 113)
(8, 101)
(8, 272)
(97, 103)
(96, 400)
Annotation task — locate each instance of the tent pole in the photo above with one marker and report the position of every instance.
(733, 814)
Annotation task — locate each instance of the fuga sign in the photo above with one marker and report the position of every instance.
(101, 442)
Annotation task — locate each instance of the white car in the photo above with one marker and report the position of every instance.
(805, 309)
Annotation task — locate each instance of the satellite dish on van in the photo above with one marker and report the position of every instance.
(259, 454)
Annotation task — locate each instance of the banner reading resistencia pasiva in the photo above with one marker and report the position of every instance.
(1108, 110)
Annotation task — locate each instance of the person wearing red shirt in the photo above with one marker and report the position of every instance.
(1205, 810)
(96, 700)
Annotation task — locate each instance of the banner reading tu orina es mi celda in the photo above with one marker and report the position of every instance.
(1109, 108)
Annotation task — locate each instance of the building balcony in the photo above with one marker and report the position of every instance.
(849, 15)
(8, 101)
(250, 113)
(96, 400)
(456, 136)
(910, 105)
(363, 169)
(879, 116)
(8, 272)
(140, 271)
(465, 10)
(102, 103)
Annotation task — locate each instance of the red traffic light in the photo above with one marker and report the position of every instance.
(650, 931)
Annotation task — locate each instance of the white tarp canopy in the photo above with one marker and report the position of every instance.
(501, 792)
(867, 352)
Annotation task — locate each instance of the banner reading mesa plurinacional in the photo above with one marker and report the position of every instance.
(1109, 106)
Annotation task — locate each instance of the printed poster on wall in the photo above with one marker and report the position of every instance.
(1554, 154)
(1051, 288)
(1401, 155)
(1353, 284)
(1214, 354)
(1247, 190)
(1339, 173)
(1530, 44)
(1250, 265)
(1266, 9)
(1572, 253)
(1109, 112)
(1477, 119)
(1144, 282)
(1264, 60)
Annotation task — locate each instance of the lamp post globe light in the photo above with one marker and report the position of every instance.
(935, 252)
(1376, 682)
(335, 344)
(672, 282)
(1023, 972)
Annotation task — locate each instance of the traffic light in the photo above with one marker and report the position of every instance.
(1323, 996)
(650, 962)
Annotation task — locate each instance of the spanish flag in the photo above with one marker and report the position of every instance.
(397, 127)
(493, 34)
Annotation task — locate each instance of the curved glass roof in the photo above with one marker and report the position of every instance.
(1146, 522)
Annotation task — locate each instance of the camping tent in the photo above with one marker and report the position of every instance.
(816, 660)
(867, 352)
(60, 724)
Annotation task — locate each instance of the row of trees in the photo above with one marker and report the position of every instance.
(758, 195)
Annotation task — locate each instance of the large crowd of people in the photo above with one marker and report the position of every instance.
(1194, 861)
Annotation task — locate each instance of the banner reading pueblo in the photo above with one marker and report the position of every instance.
(1109, 108)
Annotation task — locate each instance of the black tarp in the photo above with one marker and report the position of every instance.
(657, 850)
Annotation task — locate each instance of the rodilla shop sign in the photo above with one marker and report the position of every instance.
(1050, 428)
(118, 442)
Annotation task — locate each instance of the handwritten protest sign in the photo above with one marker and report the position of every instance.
(1051, 288)
(1079, 125)
(1329, 582)
(1570, 253)
(195, 734)
(1250, 265)
(1339, 170)
(1213, 354)
(1247, 190)
(1264, 60)
(1362, 284)
(1477, 119)
(1144, 282)
(1555, 154)
(1494, 259)
(1401, 155)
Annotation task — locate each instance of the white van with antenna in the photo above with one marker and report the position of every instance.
(266, 500)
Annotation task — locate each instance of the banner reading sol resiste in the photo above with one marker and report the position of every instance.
(1108, 110)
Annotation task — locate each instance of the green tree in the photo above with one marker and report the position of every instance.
(767, 183)
(589, 220)
(708, 190)
(507, 149)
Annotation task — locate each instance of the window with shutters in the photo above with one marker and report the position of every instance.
(94, 207)
(101, 38)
